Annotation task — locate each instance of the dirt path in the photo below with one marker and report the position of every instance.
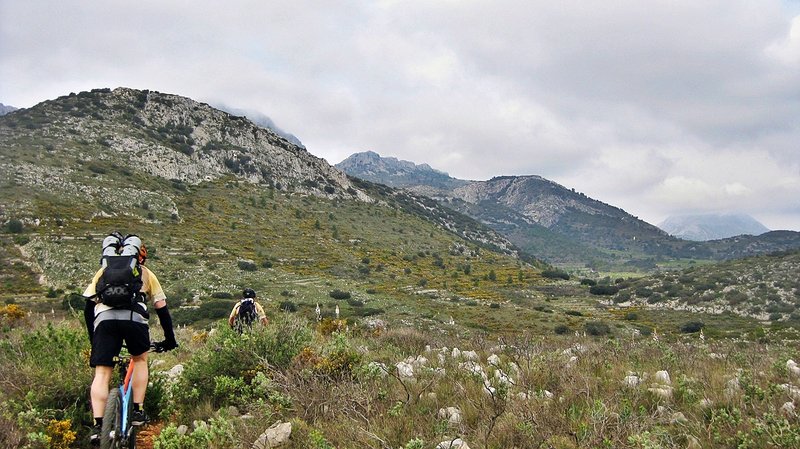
(148, 433)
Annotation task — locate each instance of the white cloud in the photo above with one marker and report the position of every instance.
(656, 107)
(787, 50)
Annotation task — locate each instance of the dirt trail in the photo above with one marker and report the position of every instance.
(148, 433)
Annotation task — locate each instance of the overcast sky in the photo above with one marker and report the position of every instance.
(657, 107)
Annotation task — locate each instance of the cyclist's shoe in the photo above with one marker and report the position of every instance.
(139, 418)
(94, 437)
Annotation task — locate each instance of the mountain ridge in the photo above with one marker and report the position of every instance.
(559, 224)
(132, 154)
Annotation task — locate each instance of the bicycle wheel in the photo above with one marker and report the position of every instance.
(112, 421)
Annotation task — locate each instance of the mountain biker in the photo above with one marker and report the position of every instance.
(108, 327)
(247, 311)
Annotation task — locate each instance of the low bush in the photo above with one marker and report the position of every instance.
(339, 294)
(555, 274)
(562, 329)
(692, 326)
(607, 290)
(246, 265)
(597, 328)
(209, 310)
(216, 370)
(288, 306)
(45, 376)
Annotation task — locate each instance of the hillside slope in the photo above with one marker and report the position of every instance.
(555, 223)
(764, 287)
(223, 203)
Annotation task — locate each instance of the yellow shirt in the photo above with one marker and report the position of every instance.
(150, 287)
(259, 310)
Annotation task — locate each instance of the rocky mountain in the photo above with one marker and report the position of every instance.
(198, 177)
(4, 109)
(703, 227)
(556, 223)
(166, 136)
(392, 172)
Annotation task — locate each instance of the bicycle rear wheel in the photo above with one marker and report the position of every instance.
(112, 421)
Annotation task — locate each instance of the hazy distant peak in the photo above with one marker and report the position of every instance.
(261, 120)
(712, 226)
(5, 109)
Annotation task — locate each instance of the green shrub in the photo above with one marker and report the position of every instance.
(208, 310)
(229, 356)
(48, 371)
(555, 274)
(607, 290)
(222, 295)
(339, 294)
(597, 328)
(589, 282)
(246, 265)
(573, 313)
(219, 432)
(288, 306)
(14, 226)
(692, 326)
(562, 329)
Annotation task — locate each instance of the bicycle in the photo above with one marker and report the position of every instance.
(117, 431)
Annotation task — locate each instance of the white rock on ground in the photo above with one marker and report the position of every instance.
(277, 434)
(451, 414)
(458, 443)
(788, 409)
(662, 377)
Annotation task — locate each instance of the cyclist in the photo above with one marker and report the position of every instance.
(108, 327)
(247, 311)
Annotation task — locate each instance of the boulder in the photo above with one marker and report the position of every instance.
(277, 434)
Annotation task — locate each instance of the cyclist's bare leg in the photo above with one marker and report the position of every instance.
(140, 377)
(99, 390)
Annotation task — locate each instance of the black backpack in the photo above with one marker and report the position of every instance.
(121, 281)
(247, 313)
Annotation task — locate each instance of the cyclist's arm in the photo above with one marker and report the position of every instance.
(234, 312)
(262, 314)
(156, 293)
(88, 308)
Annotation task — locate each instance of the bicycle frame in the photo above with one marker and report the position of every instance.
(117, 431)
(126, 393)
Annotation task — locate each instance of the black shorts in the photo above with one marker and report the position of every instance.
(108, 337)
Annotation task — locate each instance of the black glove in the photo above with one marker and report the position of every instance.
(169, 334)
(163, 346)
(88, 316)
